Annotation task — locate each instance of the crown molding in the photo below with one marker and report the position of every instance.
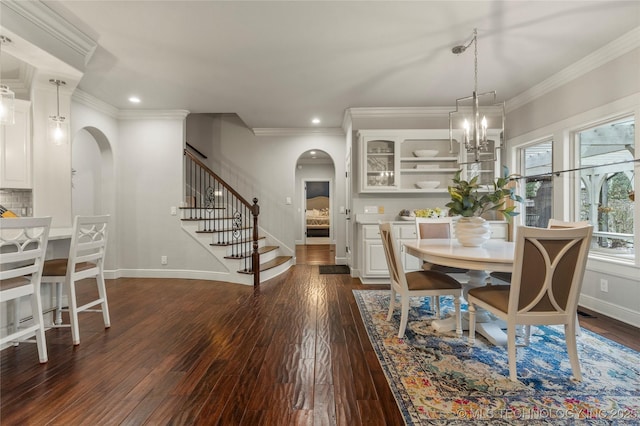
(297, 131)
(41, 23)
(127, 114)
(408, 112)
(91, 101)
(605, 54)
(152, 114)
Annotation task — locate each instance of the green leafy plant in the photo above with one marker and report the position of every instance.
(468, 200)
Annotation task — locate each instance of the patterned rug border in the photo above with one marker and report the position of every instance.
(621, 415)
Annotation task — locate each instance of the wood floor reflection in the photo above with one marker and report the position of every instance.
(292, 352)
(319, 254)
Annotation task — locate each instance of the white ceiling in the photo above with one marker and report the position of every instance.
(278, 64)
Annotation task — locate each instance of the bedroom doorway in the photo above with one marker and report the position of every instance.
(317, 208)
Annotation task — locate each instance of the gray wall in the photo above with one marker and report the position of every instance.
(264, 166)
(607, 83)
(606, 91)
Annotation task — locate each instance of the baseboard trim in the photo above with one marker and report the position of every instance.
(180, 274)
(617, 312)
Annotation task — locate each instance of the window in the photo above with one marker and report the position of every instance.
(606, 185)
(538, 184)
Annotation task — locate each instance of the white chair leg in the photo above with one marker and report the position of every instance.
(527, 335)
(36, 306)
(73, 313)
(437, 305)
(404, 316)
(15, 304)
(572, 350)
(392, 304)
(456, 302)
(58, 320)
(472, 323)
(511, 350)
(578, 329)
(102, 291)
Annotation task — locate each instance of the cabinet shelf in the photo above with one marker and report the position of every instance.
(431, 171)
(434, 190)
(428, 159)
(388, 163)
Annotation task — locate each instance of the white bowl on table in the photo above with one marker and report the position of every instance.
(427, 184)
(425, 153)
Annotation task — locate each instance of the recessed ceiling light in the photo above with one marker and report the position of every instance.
(315, 121)
(134, 99)
(312, 152)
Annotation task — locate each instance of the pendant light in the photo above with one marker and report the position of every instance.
(7, 97)
(7, 105)
(477, 124)
(58, 127)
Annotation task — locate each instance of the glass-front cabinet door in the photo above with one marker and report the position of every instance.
(380, 163)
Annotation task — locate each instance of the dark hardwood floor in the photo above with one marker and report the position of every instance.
(292, 352)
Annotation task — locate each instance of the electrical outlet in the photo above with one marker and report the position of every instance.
(604, 286)
(163, 260)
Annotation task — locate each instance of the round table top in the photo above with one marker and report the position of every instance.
(494, 255)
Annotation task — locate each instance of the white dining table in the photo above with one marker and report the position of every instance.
(493, 256)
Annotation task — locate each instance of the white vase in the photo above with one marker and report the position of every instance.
(472, 231)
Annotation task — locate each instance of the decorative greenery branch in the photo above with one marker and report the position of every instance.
(466, 201)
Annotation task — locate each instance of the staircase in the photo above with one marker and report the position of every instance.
(225, 224)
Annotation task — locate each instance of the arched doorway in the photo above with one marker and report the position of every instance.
(316, 204)
(92, 179)
(93, 182)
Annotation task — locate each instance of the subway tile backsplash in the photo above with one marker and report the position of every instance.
(19, 201)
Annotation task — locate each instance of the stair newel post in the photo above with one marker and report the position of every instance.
(255, 256)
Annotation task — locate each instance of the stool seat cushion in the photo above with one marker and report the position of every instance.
(58, 267)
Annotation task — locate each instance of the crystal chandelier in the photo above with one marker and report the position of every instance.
(477, 124)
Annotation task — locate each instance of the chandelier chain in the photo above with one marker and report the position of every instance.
(475, 71)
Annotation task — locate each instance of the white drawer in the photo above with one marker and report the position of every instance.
(371, 232)
(407, 232)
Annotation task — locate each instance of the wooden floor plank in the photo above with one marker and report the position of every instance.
(293, 351)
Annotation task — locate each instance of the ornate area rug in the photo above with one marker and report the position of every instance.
(439, 379)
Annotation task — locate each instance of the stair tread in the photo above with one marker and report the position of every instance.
(261, 250)
(223, 230)
(243, 241)
(270, 264)
(195, 219)
(202, 208)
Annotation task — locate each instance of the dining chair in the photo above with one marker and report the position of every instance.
(425, 283)
(544, 289)
(431, 228)
(23, 246)
(552, 224)
(85, 260)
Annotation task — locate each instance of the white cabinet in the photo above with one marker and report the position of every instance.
(374, 262)
(406, 160)
(15, 149)
(407, 233)
(379, 162)
(416, 161)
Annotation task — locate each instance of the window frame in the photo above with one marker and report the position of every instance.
(577, 203)
(564, 199)
(523, 182)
